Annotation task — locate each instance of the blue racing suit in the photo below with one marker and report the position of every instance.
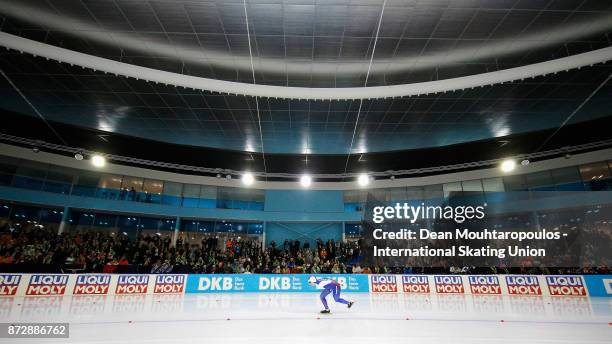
(330, 286)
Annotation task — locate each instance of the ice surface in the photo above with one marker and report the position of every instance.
(294, 318)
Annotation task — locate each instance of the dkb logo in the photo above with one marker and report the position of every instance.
(215, 283)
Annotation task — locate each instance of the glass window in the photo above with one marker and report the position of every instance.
(258, 199)
(397, 194)
(128, 225)
(352, 229)
(494, 189)
(61, 174)
(156, 226)
(153, 186)
(567, 179)
(433, 191)
(206, 226)
(473, 191)
(81, 221)
(109, 186)
(133, 188)
(594, 171)
(515, 183)
(86, 184)
(354, 200)
(222, 226)
(5, 210)
(30, 175)
(224, 198)
(472, 186)
(172, 193)
(132, 182)
(493, 184)
(238, 227)
(452, 189)
(189, 225)
(110, 181)
(191, 195)
(238, 198)
(541, 181)
(208, 197)
(153, 190)
(255, 228)
(166, 224)
(378, 195)
(355, 196)
(566, 175)
(51, 215)
(105, 222)
(9, 165)
(7, 171)
(32, 169)
(59, 180)
(25, 214)
(414, 193)
(596, 176)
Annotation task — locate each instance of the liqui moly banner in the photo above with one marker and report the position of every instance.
(384, 283)
(449, 284)
(169, 284)
(485, 285)
(132, 284)
(47, 284)
(566, 285)
(418, 284)
(92, 285)
(523, 285)
(9, 284)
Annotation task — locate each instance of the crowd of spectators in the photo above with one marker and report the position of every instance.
(93, 251)
(36, 248)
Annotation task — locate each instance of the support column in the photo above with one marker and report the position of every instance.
(263, 237)
(64, 223)
(536, 220)
(177, 225)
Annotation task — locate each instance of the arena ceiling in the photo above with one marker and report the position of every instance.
(309, 44)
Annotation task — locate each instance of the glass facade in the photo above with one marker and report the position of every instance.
(50, 178)
(591, 177)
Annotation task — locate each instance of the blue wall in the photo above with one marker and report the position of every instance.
(279, 231)
(304, 200)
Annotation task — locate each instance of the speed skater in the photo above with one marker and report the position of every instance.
(329, 286)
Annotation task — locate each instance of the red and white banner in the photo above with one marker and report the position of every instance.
(139, 284)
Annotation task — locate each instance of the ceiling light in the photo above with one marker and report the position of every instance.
(78, 156)
(363, 179)
(525, 162)
(305, 180)
(508, 165)
(98, 160)
(248, 179)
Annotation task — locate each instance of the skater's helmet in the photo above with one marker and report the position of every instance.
(312, 280)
